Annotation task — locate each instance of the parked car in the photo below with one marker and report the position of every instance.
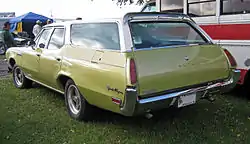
(19, 38)
(131, 65)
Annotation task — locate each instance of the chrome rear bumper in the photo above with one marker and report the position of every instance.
(132, 105)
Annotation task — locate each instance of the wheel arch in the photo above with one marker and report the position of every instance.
(62, 80)
(12, 62)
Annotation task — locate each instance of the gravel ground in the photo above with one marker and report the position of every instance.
(3, 68)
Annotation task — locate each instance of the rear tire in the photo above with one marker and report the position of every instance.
(246, 89)
(19, 79)
(77, 106)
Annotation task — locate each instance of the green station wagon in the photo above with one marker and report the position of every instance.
(132, 65)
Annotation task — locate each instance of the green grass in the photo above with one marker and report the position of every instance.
(38, 115)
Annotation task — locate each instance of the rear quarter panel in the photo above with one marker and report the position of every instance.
(93, 78)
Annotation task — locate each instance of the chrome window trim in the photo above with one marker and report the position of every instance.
(126, 43)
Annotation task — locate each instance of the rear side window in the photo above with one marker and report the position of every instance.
(96, 35)
(160, 34)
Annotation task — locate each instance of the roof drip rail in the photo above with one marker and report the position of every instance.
(155, 15)
(182, 14)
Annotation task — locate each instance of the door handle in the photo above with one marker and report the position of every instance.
(94, 62)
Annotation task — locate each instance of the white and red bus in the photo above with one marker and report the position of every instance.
(226, 21)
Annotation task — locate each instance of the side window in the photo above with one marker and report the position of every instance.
(172, 5)
(96, 35)
(43, 39)
(235, 7)
(57, 39)
(198, 8)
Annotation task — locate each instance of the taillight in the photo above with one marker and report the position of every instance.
(230, 58)
(132, 69)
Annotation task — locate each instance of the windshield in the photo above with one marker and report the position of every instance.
(159, 34)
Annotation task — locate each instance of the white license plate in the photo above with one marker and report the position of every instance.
(186, 100)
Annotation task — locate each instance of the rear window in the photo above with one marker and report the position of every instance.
(96, 35)
(160, 34)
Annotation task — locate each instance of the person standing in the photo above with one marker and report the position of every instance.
(7, 37)
(37, 28)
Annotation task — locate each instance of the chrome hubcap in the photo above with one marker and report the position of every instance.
(74, 99)
(18, 76)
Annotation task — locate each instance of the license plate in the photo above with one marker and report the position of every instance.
(186, 100)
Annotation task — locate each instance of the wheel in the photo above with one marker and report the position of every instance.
(77, 107)
(2, 49)
(19, 78)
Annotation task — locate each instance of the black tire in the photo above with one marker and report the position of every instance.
(85, 112)
(246, 90)
(19, 79)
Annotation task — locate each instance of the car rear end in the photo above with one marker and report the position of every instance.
(172, 62)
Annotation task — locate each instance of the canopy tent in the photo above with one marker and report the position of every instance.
(29, 17)
(26, 21)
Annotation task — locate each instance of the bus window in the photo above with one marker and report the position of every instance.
(235, 7)
(198, 8)
(172, 6)
(150, 8)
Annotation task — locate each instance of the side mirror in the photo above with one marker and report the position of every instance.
(31, 43)
(41, 45)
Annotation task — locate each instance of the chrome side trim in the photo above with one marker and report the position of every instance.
(236, 70)
(44, 85)
(130, 90)
(165, 47)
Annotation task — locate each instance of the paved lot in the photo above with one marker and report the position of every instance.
(3, 68)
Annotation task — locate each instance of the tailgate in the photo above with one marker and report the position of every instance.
(177, 67)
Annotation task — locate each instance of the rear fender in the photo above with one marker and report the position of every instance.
(60, 74)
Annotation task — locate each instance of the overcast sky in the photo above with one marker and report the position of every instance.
(67, 8)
